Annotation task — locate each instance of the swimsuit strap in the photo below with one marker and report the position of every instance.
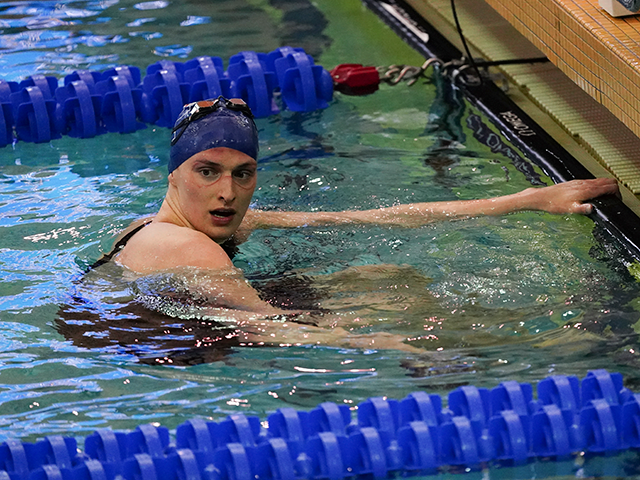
(230, 247)
(119, 245)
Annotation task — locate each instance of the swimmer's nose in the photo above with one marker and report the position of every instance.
(226, 189)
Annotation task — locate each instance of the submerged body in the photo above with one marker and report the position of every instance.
(207, 204)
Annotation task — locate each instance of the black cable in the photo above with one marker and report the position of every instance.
(516, 61)
(464, 42)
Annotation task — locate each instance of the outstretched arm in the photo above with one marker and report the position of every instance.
(569, 197)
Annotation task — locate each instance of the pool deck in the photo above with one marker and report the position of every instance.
(587, 96)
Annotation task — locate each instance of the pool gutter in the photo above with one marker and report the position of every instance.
(610, 213)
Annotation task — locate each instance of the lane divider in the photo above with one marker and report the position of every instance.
(88, 103)
(415, 435)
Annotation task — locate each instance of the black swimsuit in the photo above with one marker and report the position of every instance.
(287, 292)
(229, 246)
(166, 339)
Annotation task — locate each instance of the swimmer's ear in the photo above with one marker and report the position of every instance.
(172, 179)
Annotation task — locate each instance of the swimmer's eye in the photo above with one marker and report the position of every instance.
(209, 173)
(244, 175)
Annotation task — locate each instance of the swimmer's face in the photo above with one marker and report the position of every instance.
(214, 189)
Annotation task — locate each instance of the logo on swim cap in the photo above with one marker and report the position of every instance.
(212, 124)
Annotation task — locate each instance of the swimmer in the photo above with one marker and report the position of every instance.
(212, 177)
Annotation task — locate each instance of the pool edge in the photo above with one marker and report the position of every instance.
(616, 217)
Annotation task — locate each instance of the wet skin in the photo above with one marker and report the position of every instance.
(207, 199)
(212, 192)
(207, 202)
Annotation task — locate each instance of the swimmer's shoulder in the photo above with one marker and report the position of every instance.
(164, 246)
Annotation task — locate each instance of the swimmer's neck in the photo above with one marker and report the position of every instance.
(169, 213)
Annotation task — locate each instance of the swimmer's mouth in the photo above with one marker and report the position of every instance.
(223, 212)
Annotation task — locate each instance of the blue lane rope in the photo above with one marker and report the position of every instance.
(415, 435)
(87, 104)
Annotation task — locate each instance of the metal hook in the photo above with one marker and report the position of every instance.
(465, 79)
(394, 74)
(423, 69)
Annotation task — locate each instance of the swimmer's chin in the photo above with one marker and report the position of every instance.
(221, 239)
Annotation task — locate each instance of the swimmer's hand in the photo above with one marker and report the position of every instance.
(570, 197)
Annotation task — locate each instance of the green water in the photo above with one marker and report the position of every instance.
(516, 297)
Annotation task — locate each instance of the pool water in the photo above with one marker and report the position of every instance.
(516, 297)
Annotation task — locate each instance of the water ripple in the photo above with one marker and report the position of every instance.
(194, 20)
(52, 39)
(181, 51)
(151, 5)
(140, 21)
(53, 10)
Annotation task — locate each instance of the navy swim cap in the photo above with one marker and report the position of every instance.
(211, 124)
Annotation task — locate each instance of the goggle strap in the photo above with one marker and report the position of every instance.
(194, 111)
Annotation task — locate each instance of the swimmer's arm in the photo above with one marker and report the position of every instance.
(563, 198)
(219, 283)
(260, 323)
(287, 333)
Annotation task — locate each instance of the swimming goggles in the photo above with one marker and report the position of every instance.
(196, 110)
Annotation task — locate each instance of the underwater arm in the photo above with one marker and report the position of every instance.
(563, 198)
(228, 298)
(292, 334)
(291, 328)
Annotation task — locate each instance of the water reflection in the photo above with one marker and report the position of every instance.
(161, 320)
(81, 33)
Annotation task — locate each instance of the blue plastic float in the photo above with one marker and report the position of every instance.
(410, 436)
(119, 100)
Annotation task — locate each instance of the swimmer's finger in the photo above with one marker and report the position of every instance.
(583, 208)
(612, 188)
(587, 189)
(603, 186)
